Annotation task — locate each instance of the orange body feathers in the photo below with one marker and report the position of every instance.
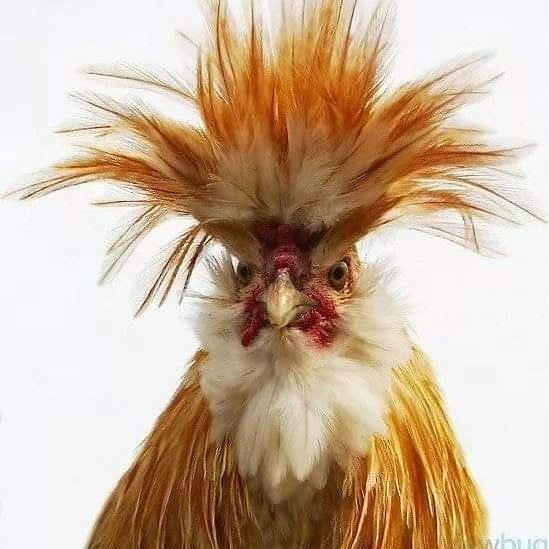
(411, 490)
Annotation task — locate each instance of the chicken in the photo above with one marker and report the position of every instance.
(309, 418)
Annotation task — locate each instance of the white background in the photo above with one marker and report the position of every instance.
(81, 382)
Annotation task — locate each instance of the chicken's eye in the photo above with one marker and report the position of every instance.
(244, 272)
(338, 275)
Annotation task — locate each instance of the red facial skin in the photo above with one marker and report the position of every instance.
(287, 249)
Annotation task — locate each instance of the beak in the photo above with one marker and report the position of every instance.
(283, 302)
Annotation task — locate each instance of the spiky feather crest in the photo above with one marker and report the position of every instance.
(298, 127)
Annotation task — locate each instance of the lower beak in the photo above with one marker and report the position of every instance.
(284, 302)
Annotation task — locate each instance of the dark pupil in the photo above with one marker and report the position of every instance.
(244, 271)
(338, 273)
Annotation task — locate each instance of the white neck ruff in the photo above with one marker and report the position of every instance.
(294, 410)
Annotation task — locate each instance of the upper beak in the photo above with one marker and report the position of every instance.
(284, 302)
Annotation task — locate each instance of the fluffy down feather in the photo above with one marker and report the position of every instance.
(292, 410)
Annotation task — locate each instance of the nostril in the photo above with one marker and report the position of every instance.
(298, 280)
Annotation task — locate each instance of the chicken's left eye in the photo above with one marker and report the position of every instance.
(244, 272)
(338, 275)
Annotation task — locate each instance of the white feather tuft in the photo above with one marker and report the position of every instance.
(292, 409)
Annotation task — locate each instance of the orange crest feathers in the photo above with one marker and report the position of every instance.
(299, 127)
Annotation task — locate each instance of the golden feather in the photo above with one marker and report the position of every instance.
(298, 125)
(411, 488)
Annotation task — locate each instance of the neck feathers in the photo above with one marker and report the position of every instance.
(410, 489)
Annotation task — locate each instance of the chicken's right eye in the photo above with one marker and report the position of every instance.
(244, 272)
